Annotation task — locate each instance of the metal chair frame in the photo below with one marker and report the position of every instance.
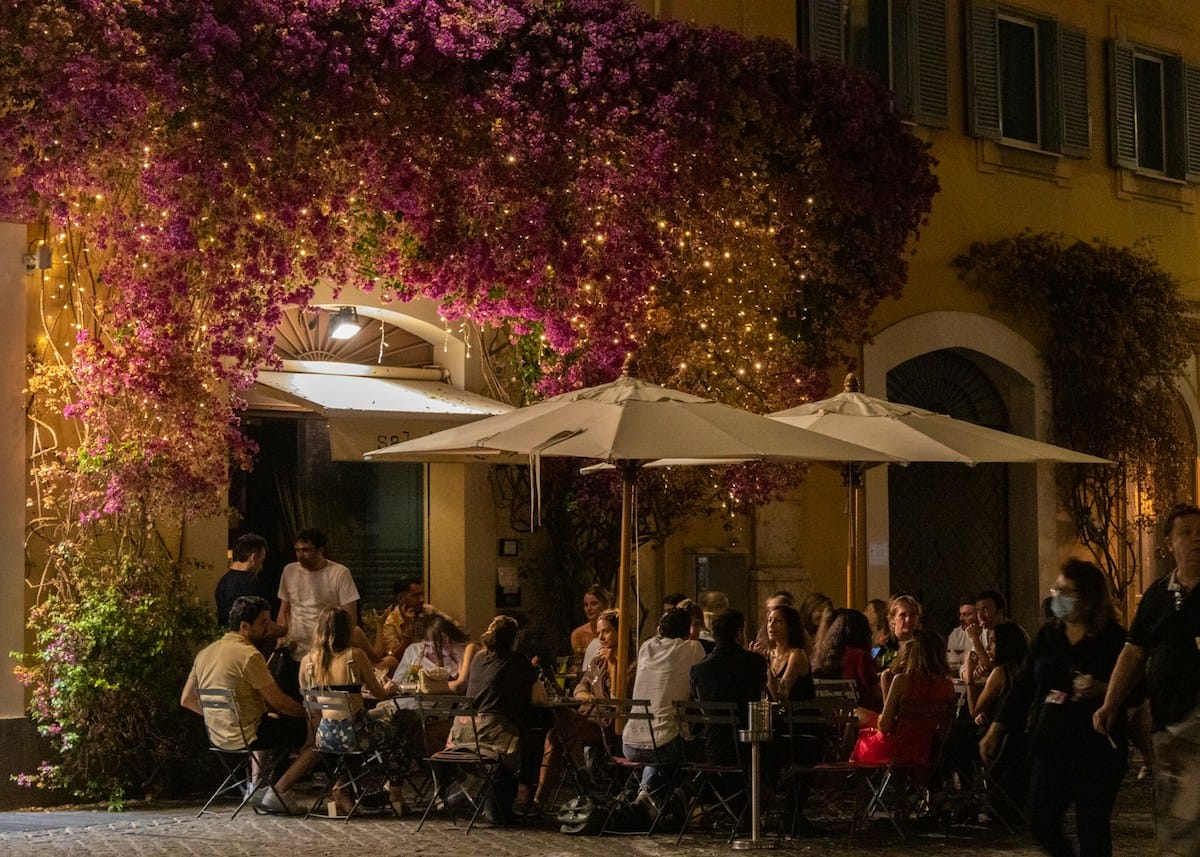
(699, 718)
(442, 706)
(238, 763)
(622, 711)
(354, 767)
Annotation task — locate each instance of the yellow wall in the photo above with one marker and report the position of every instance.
(988, 191)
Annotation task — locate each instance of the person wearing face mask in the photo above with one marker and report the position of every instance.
(1063, 681)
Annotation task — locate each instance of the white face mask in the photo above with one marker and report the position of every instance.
(1063, 606)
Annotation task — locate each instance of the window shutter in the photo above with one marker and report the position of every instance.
(1120, 92)
(983, 70)
(1175, 116)
(1074, 116)
(820, 29)
(930, 101)
(1191, 100)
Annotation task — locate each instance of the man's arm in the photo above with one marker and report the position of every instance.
(280, 701)
(1124, 676)
(190, 698)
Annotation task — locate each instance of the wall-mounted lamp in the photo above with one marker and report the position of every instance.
(39, 257)
(345, 323)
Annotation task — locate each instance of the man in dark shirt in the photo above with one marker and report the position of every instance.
(242, 579)
(1164, 646)
(728, 674)
(249, 552)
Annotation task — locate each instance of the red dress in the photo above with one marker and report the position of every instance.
(911, 741)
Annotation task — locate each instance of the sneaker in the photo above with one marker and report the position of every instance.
(279, 803)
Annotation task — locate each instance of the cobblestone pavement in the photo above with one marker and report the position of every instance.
(175, 829)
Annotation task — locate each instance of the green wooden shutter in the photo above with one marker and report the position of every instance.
(930, 100)
(983, 70)
(1122, 132)
(1191, 99)
(1175, 117)
(1074, 116)
(819, 29)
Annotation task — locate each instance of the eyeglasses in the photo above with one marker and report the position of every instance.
(1062, 590)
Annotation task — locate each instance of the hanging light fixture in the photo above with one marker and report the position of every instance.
(345, 323)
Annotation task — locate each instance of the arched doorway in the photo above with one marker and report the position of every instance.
(948, 524)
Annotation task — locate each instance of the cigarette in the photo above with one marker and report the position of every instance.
(1111, 742)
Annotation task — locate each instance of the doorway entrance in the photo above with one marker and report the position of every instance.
(948, 524)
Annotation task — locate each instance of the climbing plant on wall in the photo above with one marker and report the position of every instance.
(1111, 326)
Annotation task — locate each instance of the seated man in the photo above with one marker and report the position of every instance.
(270, 718)
(664, 667)
(405, 622)
(730, 673)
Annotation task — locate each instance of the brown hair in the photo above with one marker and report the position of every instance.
(501, 635)
(923, 655)
(1096, 610)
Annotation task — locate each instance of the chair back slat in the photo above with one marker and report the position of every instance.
(838, 688)
(221, 702)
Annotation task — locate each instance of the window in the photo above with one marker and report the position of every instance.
(1019, 96)
(1027, 80)
(901, 41)
(1155, 111)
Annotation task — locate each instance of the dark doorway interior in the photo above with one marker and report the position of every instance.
(371, 513)
(948, 524)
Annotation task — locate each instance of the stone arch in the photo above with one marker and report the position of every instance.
(1014, 366)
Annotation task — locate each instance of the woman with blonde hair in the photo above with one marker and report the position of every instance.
(333, 663)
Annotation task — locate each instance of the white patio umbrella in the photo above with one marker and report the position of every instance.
(912, 434)
(626, 423)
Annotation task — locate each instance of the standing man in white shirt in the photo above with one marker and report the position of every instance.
(307, 587)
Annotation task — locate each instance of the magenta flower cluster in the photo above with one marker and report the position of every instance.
(524, 162)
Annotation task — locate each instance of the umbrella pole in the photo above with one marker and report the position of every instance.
(852, 476)
(627, 621)
(852, 540)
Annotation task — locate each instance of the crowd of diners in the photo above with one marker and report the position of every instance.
(1042, 711)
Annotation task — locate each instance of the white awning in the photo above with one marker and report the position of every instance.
(367, 408)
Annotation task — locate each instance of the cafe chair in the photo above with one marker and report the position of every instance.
(719, 789)
(899, 791)
(220, 704)
(836, 688)
(466, 774)
(356, 766)
(623, 788)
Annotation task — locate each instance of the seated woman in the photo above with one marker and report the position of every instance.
(504, 684)
(918, 681)
(333, 663)
(845, 652)
(584, 640)
(446, 646)
(788, 673)
(1010, 649)
(575, 730)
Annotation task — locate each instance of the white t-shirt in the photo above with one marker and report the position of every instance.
(958, 646)
(589, 654)
(664, 676)
(310, 592)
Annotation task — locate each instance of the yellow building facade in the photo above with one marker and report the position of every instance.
(1073, 117)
